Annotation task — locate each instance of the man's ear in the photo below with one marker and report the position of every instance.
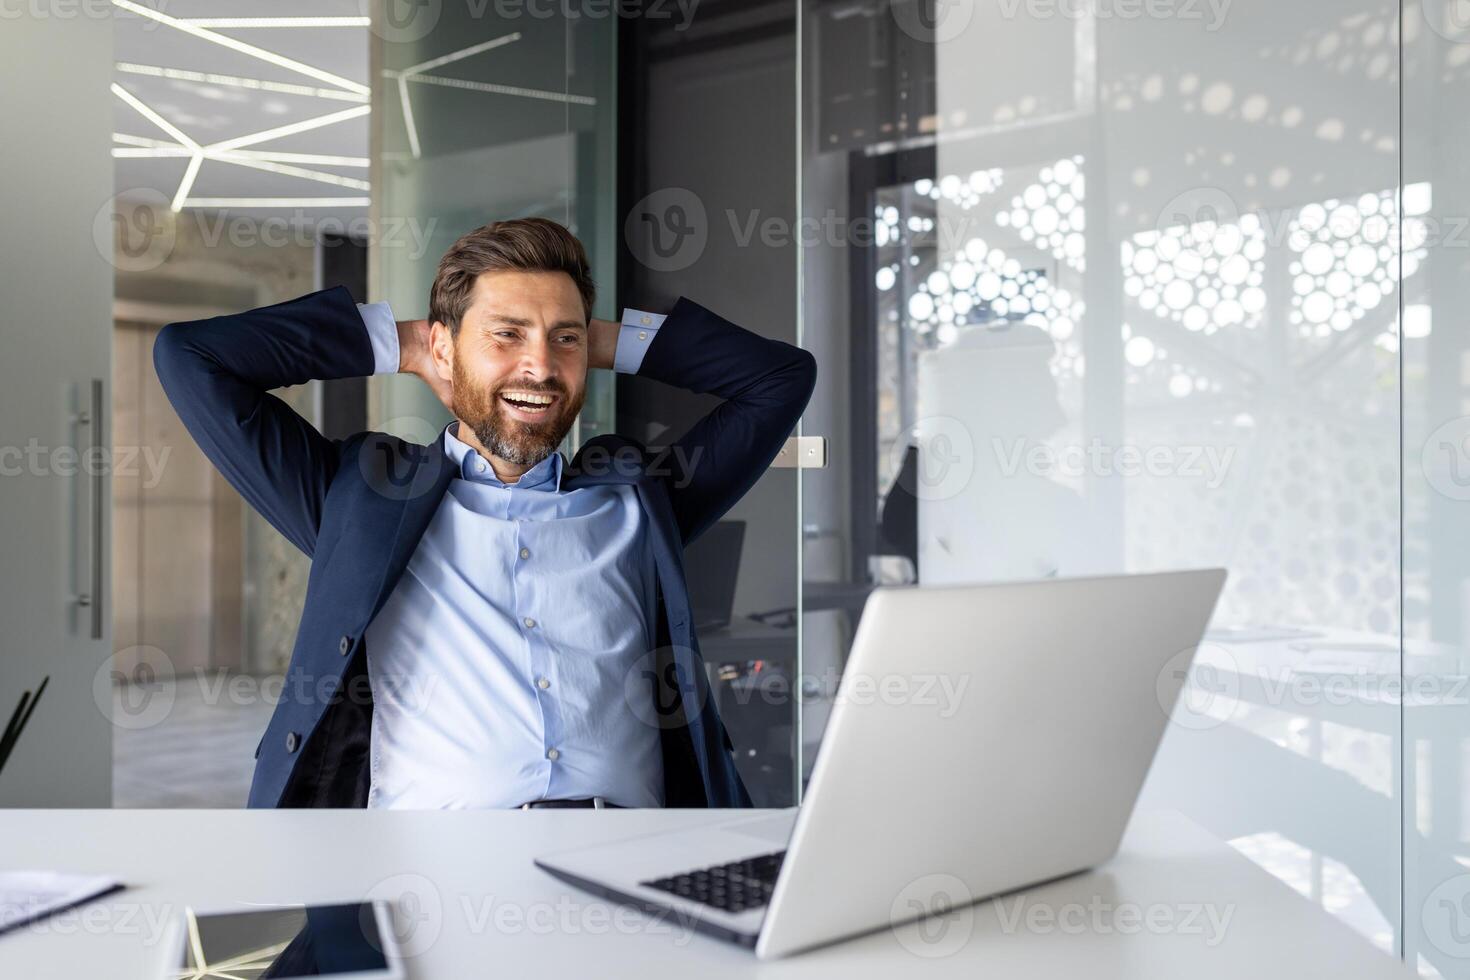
(441, 349)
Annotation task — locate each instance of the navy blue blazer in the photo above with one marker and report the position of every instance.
(358, 506)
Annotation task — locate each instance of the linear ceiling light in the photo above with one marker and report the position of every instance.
(320, 176)
(149, 152)
(147, 146)
(494, 89)
(187, 184)
(130, 140)
(402, 76)
(235, 81)
(408, 123)
(153, 117)
(238, 158)
(462, 53)
(278, 202)
(330, 160)
(289, 129)
(277, 21)
(248, 49)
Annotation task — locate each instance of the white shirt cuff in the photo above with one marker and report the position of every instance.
(634, 336)
(383, 333)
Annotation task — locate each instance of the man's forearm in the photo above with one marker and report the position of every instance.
(413, 345)
(218, 373)
(315, 337)
(602, 344)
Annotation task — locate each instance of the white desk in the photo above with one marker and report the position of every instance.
(498, 916)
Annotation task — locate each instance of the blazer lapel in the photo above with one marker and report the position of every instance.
(417, 499)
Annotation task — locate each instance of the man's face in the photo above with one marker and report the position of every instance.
(518, 366)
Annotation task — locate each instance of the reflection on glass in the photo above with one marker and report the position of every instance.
(1435, 468)
(1131, 304)
(318, 940)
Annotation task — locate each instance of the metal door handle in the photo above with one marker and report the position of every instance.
(91, 419)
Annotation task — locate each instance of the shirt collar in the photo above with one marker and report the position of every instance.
(545, 475)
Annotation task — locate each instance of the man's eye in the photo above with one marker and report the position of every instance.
(570, 338)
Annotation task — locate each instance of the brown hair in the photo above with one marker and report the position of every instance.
(525, 244)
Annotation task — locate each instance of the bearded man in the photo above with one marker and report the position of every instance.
(488, 624)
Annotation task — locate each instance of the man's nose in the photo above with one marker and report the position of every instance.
(536, 360)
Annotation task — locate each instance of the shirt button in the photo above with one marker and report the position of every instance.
(553, 754)
(642, 335)
(293, 742)
(480, 467)
(647, 320)
(543, 683)
(525, 552)
(530, 623)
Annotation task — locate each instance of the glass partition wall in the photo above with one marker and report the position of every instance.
(1094, 287)
(1107, 287)
(1435, 368)
(482, 113)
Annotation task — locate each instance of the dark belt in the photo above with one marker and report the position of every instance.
(595, 803)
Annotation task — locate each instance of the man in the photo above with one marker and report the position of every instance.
(487, 624)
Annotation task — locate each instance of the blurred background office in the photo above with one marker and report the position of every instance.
(1093, 287)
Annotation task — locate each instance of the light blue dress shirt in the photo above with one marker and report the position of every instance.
(499, 665)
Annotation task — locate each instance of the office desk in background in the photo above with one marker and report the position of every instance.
(480, 909)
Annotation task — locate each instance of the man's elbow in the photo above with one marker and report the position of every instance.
(168, 352)
(805, 372)
(175, 357)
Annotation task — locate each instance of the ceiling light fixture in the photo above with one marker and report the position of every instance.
(149, 152)
(235, 81)
(251, 22)
(278, 202)
(402, 77)
(187, 184)
(225, 40)
(154, 117)
(408, 123)
(147, 146)
(196, 154)
(494, 89)
(328, 159)
(290, 129)
(462, 53)
(320, 176)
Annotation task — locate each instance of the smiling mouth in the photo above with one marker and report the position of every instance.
(530, 404)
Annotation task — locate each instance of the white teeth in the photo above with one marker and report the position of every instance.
(526, 398)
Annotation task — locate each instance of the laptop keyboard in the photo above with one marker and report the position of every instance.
(732, 887)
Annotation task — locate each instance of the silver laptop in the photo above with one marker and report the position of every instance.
(985, 738)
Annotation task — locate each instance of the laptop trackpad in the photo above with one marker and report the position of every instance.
(771, 830)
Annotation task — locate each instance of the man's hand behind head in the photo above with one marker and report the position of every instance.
(414, 358)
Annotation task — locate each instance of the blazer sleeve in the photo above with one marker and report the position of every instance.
(765, 385)
(218, 374)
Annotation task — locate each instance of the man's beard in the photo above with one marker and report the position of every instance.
(516, 442)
